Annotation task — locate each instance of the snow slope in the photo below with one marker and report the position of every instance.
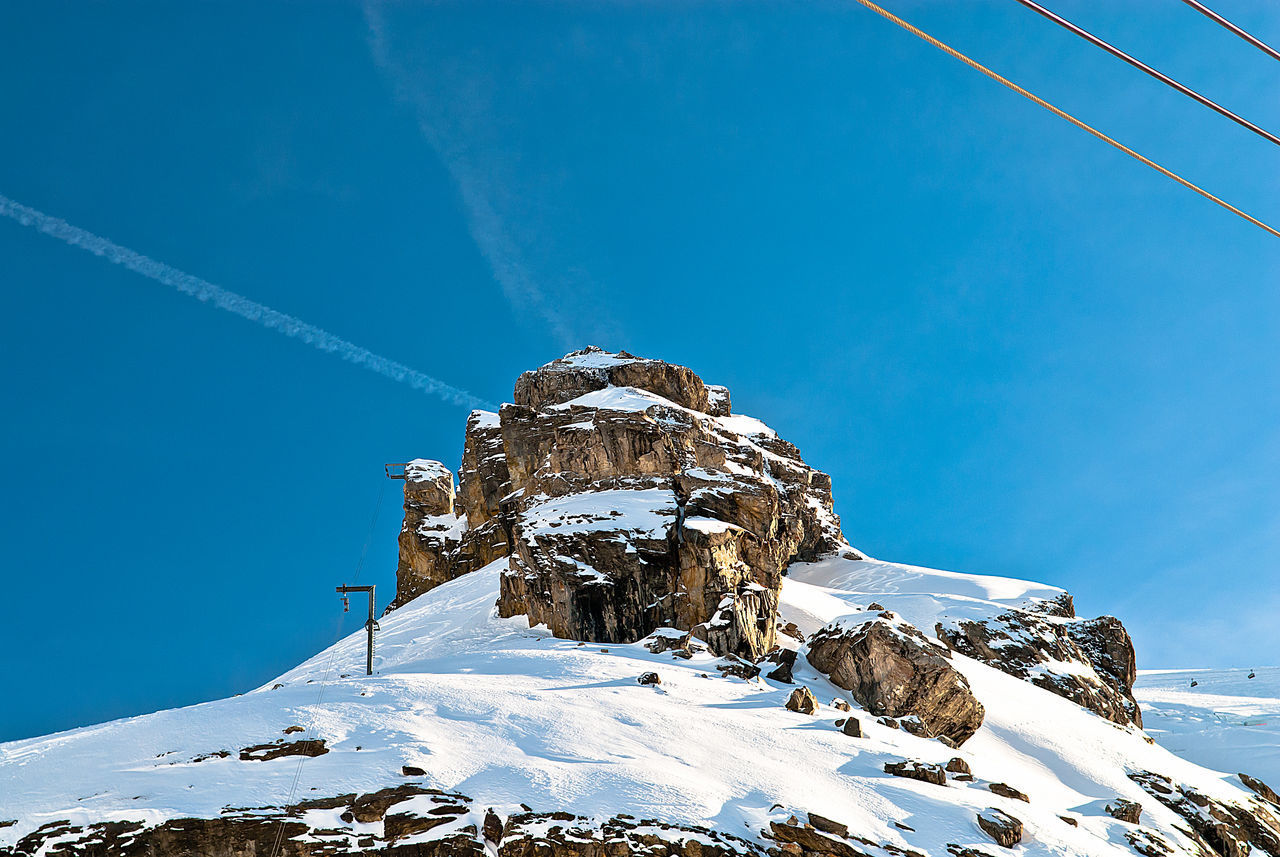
(1228, 721)
(508, 715)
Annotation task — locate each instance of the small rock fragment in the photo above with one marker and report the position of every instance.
(649, 678)
(958, 766)
(412, 771)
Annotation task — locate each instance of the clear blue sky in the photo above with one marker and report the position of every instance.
(1016, 350)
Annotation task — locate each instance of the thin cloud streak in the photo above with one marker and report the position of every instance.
(483, 222)
(207, 292)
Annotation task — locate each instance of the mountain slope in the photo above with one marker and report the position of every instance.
(710, 670)
(508, 715)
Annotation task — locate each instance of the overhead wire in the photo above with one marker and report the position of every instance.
(1239, 31)
(916, 31)
(1141, 66)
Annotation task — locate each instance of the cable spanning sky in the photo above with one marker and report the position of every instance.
(203, 290)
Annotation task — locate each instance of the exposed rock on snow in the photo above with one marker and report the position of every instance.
(1129, 811)
(1226, 827)
(1000, 826)
(802, 701)
(1091, 662)
(912, 769)
(893, 670)
(1006, 790)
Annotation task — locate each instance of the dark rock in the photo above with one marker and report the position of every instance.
(826, 825)
(841, 705)
(891, 669)
(1148, 843)
(492, 828)
(1260, 788)
(888, 721)
(277, 749)
(785, 660)
(1125, 810)
(792, 630)
(1227, 828)
(958, 766)
(1069, 820)
(851, 727)
(1000, 826)
(289, 730)
(738, 668)
(412, 771)
(1006, 790)
(915, 770)
(803, 701)
(649, 679)
(914, 726)
(1028, 643)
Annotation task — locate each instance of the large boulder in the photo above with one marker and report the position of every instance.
(1089, 661)
(893, 670)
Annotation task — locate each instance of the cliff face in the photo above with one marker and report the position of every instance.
(627, 498)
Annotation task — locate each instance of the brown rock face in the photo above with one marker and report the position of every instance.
(594, 369)
(1027, 643)
(891, 669)
(627, 499)
(431, 532)
(443, 535)
(634, 508)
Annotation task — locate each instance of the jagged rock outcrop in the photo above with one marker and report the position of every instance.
(1226, 828)
(1033, 643)
(431, 532)
(627, 498)
(893, 670)
(446, 533)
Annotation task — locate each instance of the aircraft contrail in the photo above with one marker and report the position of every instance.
(203, 290)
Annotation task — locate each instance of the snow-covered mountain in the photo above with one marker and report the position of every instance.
(711, 670)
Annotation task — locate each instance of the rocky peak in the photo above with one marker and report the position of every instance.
(593, 369)
(626, 497)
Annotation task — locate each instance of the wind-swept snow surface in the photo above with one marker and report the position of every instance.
(507, 714)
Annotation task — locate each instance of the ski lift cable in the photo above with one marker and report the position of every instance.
(1141, 66)
(1062, 114)
(1239, 31)
(328, 671)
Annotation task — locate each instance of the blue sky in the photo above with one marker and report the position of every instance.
(1016, 350)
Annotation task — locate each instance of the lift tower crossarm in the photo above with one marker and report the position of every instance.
(370, 625)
